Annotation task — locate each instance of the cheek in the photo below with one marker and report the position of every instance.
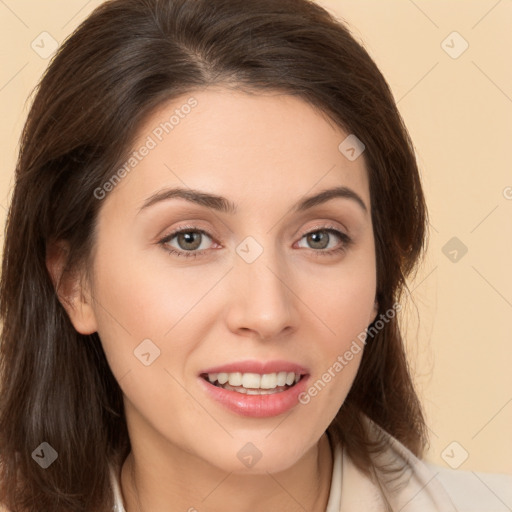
(343, 303)
(141, 314)
(342, 298)
(128, 303)
(139, 299)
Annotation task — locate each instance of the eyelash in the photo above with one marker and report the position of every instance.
(346, 241)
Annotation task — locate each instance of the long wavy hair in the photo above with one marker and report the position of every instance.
(122, 62)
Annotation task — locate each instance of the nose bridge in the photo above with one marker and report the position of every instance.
(262, 299)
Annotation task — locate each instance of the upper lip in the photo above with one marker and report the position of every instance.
(261, 367)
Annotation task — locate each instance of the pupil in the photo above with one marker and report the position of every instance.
(190, 238)
(316, 238)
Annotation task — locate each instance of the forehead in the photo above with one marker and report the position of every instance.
(254, 148)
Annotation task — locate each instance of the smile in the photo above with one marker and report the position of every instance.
(254, 383)
(255, 395)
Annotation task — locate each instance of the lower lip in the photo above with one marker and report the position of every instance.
(257, 406)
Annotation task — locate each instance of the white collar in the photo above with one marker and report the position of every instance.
(413, 489)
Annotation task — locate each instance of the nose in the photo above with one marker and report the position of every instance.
(262, 301)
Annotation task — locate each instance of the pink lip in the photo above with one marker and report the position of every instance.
(261, 367)
(256, 406)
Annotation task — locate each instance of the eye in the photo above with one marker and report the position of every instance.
(320, 240)
(189, 242)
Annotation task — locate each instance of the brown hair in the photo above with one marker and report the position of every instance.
(123, 61)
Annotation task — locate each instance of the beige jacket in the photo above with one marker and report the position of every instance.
(420, 487)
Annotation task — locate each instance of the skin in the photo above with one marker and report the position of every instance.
(263, 152)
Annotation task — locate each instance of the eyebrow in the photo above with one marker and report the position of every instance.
(224, 205)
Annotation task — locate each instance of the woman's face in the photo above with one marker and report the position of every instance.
(269, 289)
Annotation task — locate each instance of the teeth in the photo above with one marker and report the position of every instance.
(251, 380)
(281, 378)
(235, 379)
(223, 378)
(290, 379)
(240, 389)
(254, 381)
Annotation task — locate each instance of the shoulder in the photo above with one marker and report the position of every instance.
(473, 491)
(416, 485)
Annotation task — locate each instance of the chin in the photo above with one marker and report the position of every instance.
(259, 453)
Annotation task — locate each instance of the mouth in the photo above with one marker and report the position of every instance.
(254, 383)
(255, 388)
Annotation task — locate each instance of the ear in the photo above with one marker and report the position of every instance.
(71, 287)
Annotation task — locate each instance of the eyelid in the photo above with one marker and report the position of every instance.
(346, 240)
(319, 226)
(185, 229)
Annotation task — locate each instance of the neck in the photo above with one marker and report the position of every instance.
(191, 485)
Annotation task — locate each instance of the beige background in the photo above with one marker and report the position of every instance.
(459, 113)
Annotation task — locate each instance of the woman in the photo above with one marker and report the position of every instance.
(215, 210)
